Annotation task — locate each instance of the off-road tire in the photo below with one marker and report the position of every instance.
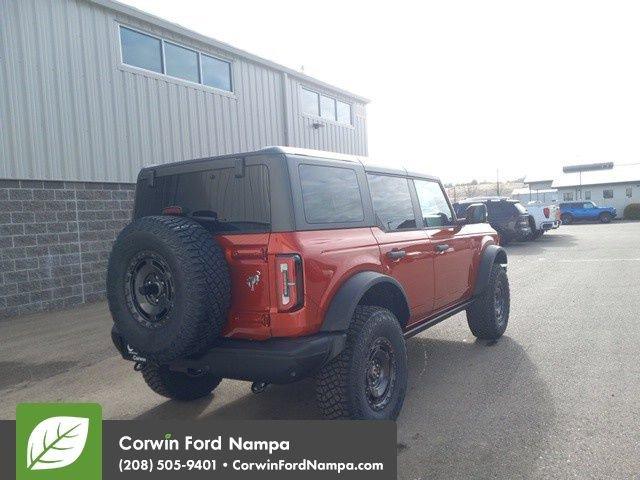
(482, 317)
(605, 217)
(200, 281)
(178, 385)
(567, 218)
(341, 384)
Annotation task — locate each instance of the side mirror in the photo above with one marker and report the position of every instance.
(476, 213)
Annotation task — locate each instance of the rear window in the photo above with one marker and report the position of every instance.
(330, 194)
(217, 198)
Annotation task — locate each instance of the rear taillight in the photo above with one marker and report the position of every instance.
(289, 282)
(547, 212)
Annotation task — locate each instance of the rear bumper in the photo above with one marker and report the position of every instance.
(277, 360)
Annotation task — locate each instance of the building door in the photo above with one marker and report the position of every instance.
(405, 250)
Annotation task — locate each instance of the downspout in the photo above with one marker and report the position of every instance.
(286, 102)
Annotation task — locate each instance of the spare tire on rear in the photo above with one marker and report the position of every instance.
(168, 287)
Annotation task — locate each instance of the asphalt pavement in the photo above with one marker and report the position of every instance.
(557, 397)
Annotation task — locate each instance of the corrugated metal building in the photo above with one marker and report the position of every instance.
(91, 91)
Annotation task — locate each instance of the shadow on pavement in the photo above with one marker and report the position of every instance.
(472, 409)
(542, 245)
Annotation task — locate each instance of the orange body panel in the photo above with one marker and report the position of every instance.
(433, 280)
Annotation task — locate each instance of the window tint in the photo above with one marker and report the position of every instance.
(391, 202)
(330, 194)
(217, 199)
(327, 107)
(310, 102)
(608, 193)
(216, 73)
(434, 206)
(343, 112)
(181, 62)
(141, 50)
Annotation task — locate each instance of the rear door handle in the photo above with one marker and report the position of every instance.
(396, 254)
(442, 247)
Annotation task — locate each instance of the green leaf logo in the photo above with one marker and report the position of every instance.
(56, 442)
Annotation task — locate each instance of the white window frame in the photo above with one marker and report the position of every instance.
(163, 74)
(335, 103)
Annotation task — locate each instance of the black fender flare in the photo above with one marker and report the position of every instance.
(344, 302)
(491, 254)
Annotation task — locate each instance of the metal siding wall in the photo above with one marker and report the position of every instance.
(70, 111)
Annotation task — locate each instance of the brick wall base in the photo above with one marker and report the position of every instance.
(55, 239)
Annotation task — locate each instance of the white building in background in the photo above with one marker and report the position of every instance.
(616, 187)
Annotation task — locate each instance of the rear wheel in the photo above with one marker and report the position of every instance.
(368, 380)
(566, 218)
(488, 316)
(605, 217)
(178, 385)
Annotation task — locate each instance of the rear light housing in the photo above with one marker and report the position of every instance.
(546, 211)
(289, 282)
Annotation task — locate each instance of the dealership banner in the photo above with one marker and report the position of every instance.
(71, 441)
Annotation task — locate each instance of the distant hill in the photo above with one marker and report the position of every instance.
(462, 191)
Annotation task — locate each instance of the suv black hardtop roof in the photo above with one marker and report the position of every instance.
(489, 199)
(369, 164)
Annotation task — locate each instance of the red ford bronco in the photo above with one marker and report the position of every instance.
(279, 264)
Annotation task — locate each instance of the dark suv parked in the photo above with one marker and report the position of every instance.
(508, 217)
(279, 264)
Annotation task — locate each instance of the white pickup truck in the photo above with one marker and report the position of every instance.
(542, 217)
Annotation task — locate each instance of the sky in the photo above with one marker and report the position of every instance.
(462, 89)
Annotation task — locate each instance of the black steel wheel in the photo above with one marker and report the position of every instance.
(168, 287)
(488, 315)
(368, 380)
(149, 287)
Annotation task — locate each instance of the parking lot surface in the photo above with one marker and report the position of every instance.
(557, 397)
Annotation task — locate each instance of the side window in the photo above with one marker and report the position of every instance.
(587, 205)
(433, 204)
(587, 195)
(607, 193)
(330, 194)
(391, 202)
(567, 196)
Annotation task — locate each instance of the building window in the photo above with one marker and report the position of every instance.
(567, 196)
(140, 50)
(181, 62)
(343, 112)
(587, 195)
(330, 194)
(147, 52)
(215, 73)
(607, 193)
(326, 107)
(310, 102)
(629, 192)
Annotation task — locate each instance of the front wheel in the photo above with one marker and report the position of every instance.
(605, 217)
(368, 380)
(178, 385)
(488, 315)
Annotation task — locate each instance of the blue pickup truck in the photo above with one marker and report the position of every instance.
(572, 211)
